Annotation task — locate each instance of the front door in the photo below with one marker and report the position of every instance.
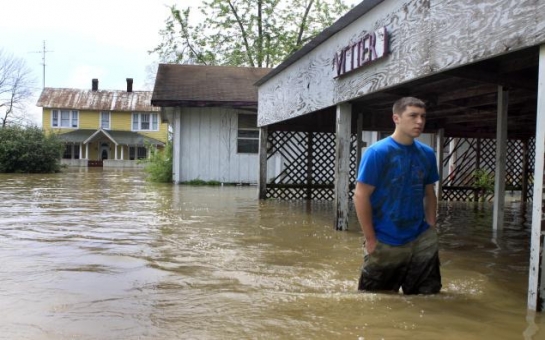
(104, 151)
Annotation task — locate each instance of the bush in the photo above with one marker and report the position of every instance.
(483, 181)
(159, 164)
(29, 150)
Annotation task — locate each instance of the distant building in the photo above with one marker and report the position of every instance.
(213, 114)
(103, 127)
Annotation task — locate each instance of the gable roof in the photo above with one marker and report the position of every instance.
(202, 85)
(66, 98)
(117, 137)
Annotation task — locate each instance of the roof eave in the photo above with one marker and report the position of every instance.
(203, 103)
(352, 15)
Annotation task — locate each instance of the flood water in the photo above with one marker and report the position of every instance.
(102, 254)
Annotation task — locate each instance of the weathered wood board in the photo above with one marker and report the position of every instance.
(207, 142)
(425, 37)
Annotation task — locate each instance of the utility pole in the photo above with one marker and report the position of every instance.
(43, 52)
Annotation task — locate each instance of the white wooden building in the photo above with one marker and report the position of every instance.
(479, 66)
(212, 111)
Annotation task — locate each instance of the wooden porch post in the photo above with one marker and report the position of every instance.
(310, 149)
(359, 141)
(262, 180)
(476, 193)
(177, 145)
(536, 290)
(524, 191)
(501, 152)
(440, 140)
(453, 153)
(342, 165)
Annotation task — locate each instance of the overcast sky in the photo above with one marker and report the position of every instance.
(86, 39)
(104, 39)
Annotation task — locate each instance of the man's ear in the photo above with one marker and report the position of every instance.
(395, 118)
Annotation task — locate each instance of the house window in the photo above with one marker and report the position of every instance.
(155, 122)
(71, 151)
(140, 152)
(248, 134)
(67, 152)
(75, 115)
(64, 118)
(145, 122)
(105, 120)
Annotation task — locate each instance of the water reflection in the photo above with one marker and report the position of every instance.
(96, 254)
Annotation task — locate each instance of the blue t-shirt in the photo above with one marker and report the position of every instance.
(399, 174)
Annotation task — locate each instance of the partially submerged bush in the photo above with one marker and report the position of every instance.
(29, 150)
(159, 164)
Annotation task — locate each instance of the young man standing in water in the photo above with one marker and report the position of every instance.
(396, 206)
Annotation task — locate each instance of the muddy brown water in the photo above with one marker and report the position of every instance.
(102, 254)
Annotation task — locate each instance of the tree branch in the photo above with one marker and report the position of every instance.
(302, 27)
(244, 34)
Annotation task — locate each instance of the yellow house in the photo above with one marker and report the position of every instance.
(103, 128)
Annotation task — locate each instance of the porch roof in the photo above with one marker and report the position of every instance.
(117, 137)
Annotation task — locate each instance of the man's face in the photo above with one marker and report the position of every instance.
(411, 122)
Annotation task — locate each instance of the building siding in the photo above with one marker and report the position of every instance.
(89, 119)
(208, 143)
(120, 121)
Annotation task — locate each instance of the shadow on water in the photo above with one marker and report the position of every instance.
(101, 254)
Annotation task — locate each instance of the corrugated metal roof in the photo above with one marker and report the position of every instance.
(199, 85)
(104, 100)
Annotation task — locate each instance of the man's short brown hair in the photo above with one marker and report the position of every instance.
(401, 104)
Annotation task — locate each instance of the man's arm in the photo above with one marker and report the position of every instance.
(362, 202)
(430, 205)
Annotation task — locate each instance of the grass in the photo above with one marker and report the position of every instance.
(200, 182)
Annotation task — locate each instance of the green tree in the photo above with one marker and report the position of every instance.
(256, 33)
(29, 150)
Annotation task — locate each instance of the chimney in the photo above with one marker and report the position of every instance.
(129, 84)
(95, 85)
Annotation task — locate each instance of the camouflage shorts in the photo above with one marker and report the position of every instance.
(413, 267)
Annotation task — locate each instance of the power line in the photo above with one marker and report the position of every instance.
(43, 52)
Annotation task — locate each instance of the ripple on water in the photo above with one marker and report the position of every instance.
(102, 254)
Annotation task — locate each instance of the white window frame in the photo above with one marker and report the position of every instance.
(247, 138)
(137, 120)
(101, 121)
(57, 121)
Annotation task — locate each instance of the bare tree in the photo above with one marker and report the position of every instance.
(16, 84)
